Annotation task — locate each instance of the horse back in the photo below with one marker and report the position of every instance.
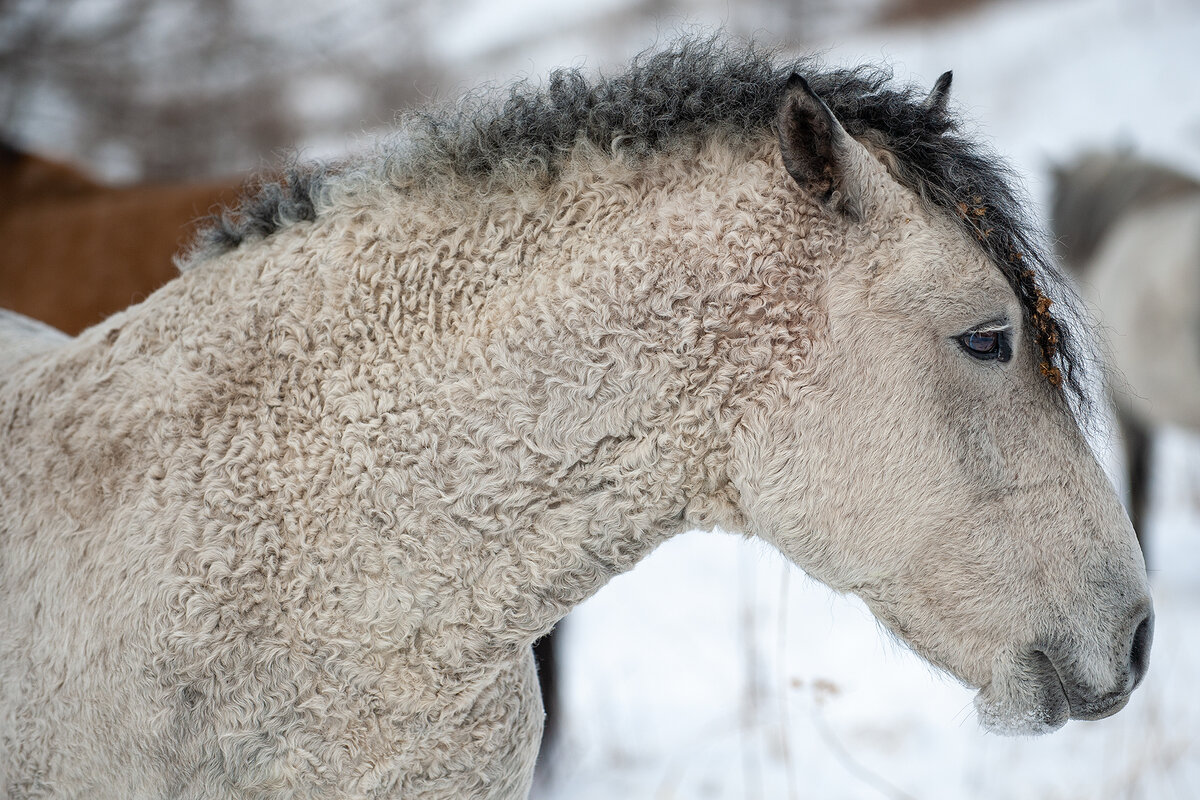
(23, 338)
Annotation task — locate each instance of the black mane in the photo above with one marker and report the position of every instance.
(695, 90)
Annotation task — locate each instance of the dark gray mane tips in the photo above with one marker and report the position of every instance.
(697, 89)
(268, 204)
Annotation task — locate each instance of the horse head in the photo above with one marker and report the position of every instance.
(928, 460)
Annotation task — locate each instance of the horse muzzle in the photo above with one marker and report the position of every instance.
(1086, 704)
(1082, 699)
(1046, 685)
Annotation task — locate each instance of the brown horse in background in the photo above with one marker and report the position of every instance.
(76, 251)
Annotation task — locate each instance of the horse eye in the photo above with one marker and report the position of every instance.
(987, 345)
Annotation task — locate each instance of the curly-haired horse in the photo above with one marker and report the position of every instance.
(77, 250)
(289, 527)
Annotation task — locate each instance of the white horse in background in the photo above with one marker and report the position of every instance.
(289, 527)
(1129, 230)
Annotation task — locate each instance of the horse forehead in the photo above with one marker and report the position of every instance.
(923, 241)
(928, 250)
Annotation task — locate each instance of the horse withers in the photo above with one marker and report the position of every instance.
(289, 527)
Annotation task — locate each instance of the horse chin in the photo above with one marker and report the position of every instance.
(1033, 697)
(1029, 699)
(1033, 720)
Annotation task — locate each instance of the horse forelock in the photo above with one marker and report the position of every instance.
(698, 89)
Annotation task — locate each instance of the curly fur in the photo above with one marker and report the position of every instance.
(289, 527)
(700, 89)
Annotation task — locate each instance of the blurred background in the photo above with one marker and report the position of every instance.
(714, 670)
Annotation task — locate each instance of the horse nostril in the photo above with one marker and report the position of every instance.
(1139, 653)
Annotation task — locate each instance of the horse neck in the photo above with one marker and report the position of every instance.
(554, 409)
(496, 400)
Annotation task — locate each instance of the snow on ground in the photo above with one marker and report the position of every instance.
(715, 670)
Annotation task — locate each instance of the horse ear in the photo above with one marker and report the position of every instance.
(939, 96)
(811, 140)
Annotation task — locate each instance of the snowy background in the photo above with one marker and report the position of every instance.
(713, 670)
